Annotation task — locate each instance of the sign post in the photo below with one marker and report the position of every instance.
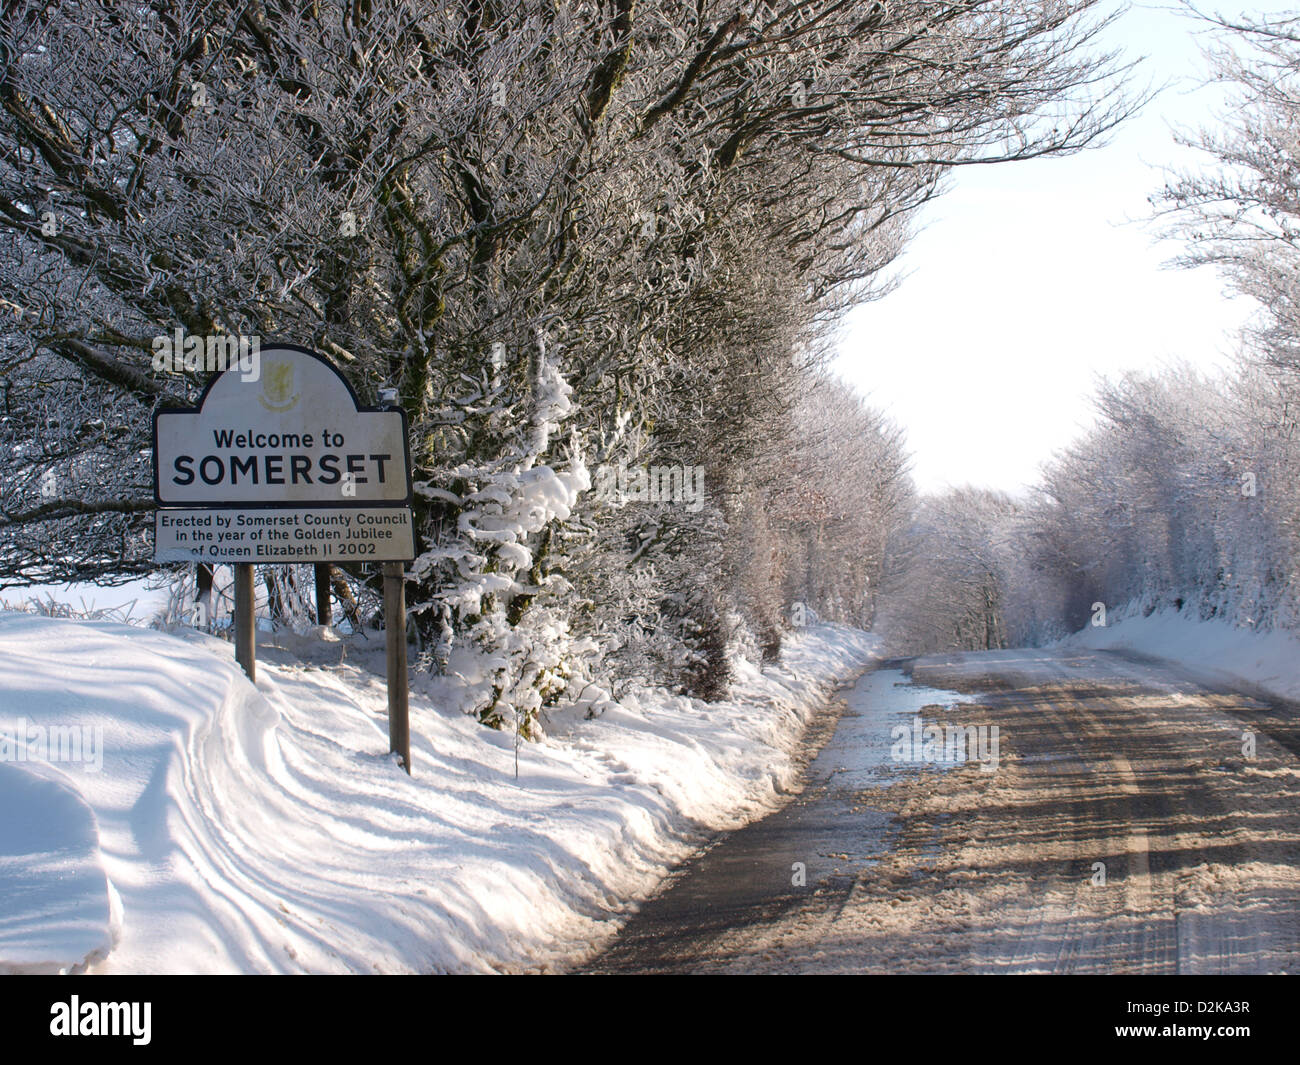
(321, 575)
(399, 726)
(203, 600)
(282, 464)
(245, 623)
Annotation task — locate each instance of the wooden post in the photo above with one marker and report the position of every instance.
(203, 581)
(245, 624)
(324, 612)
(399, 724)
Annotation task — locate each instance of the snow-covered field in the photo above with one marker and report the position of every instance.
(139, 601)
(1211, 652)
(183, 820)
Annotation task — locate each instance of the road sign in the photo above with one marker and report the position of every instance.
(294, 434)
(282, 465)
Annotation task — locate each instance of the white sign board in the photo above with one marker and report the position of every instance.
(293, 446)
(301, 534)
(294, 435)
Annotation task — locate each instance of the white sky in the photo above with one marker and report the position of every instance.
(1030, 280)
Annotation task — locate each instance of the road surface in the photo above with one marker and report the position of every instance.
(1123, 819)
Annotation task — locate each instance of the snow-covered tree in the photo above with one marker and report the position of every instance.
(570, 233)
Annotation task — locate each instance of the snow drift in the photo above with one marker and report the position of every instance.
(1213, 652)
(233, 828)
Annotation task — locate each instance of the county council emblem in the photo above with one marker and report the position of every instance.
(277, 386)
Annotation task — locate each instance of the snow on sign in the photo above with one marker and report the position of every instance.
(283, 466)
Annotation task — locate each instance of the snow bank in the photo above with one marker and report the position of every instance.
(233, 828)
(58, 904)
(1214, 652)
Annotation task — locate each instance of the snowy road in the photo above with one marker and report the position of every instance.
(1125, 825)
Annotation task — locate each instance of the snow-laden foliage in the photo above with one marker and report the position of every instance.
(494, 588)
(1182, 496)
(951, 564)
(1185, 493)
